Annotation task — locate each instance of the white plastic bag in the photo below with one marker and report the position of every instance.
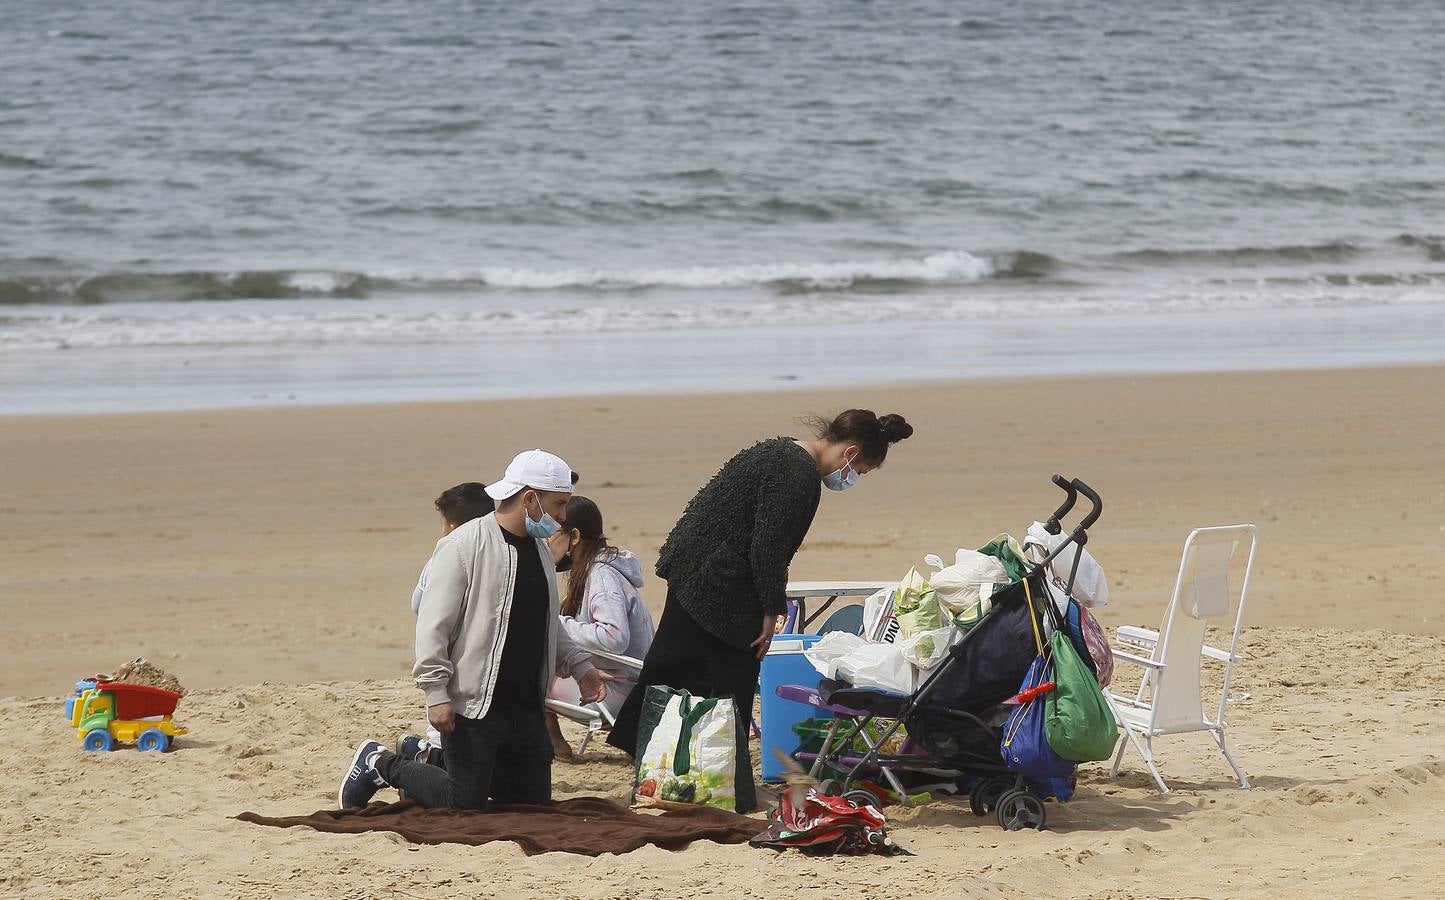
(925, 649)
(879, 623)
(1091, 586)
(910, 617)
(964, 588)
(862, 663)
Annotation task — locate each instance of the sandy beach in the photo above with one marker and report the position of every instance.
(266, 557)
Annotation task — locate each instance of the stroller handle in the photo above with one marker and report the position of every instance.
(1080, 534)
(1093, 496)
(1053, 525)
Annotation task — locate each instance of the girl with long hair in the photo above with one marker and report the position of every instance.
(601, 607)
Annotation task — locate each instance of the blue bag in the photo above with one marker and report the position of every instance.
(1025, 745)
(1074, 625)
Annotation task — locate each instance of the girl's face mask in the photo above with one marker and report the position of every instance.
(564, 562)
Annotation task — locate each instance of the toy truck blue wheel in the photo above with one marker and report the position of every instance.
(152, 739)
(98, 739)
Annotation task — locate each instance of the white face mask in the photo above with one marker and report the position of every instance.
(845, 477)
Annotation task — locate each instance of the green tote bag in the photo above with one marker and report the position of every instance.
(1077, 719)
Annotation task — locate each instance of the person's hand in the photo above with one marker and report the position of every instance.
(594, 685)
(442, 717)
(765, 635)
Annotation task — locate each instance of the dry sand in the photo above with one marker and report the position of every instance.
(266, 557)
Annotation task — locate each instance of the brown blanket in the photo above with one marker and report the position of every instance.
(590, 826)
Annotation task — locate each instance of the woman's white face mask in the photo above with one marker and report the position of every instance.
(845, 477)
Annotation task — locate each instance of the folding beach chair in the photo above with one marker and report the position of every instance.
(1169, 700)
(594, 717)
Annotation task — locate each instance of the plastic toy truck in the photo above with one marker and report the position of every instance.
(106, 713)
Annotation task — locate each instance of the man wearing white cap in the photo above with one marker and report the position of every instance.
(488, 645)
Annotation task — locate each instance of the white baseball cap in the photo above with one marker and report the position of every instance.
(536, 469)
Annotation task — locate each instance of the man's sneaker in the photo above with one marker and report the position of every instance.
(412, 748)
(362, 781)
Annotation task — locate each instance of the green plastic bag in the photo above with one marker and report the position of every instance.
(1077, 719)
(915, 606)
(1005, 548)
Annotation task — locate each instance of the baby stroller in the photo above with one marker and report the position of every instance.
(948, 735)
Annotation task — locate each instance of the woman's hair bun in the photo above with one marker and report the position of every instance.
(894, 427)
(870, 432)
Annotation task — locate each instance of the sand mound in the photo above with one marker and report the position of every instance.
(139, 671)
(1341, 745)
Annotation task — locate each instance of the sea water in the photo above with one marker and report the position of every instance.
(213, 204)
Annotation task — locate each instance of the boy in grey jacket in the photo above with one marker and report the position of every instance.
(488, 645)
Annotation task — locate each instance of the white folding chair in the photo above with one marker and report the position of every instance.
(594, 717)
(1169, 699)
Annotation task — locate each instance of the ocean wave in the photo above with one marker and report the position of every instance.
(1402, 261)
(1027, 264)
(358, 323)
(1430, 247)
(1433, 245)
(12, 161)
(77, 35)
(163, 287)
(572, 210)
(1337, 251)
(428, 129)
(950, 267)
(1346, 279)
(954, 267)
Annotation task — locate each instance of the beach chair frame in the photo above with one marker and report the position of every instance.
(1169, 699)
(594, 717)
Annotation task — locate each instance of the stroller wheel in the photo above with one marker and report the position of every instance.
(1020, 809)
(829, 787)
(861, 797)
(984, 797)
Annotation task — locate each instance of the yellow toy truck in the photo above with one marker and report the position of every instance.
(107, 713)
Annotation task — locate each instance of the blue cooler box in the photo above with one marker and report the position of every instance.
(784, 664)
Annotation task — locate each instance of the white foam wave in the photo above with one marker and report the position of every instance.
(320, 282)
(951, 266)
(426, 320)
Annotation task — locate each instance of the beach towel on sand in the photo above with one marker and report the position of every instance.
(590, 826)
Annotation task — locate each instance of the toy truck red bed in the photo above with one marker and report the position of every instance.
(140, 701)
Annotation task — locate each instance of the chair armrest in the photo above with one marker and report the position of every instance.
(1130, 702)
(576, 713)
(1128, 633)
(1136, 660)
(1145, 639)
(1216, 653)
(629, 661)
(1148, 638)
